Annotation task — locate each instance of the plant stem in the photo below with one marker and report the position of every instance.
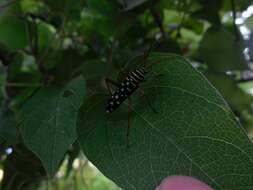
(234, 19)
(29, 35)
(158, 21)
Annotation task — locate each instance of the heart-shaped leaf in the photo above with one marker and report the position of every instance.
(49, 122)
(194, 132)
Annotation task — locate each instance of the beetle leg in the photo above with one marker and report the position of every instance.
(108, 83)
(130, 110)
(148, 101)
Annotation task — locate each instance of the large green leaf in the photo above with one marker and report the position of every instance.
(49, 122)
(194, 132)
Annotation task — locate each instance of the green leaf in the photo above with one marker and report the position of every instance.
(46, 34)
(94, 70)
(63, 64)
(49, 122)
(98, 25)
(71, 10)
(13, 32)
(231, 91)
(31, 6)
(207, 14)
(194, 132)
(221, 51)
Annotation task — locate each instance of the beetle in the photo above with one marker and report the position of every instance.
(130, 83)
(125, 89)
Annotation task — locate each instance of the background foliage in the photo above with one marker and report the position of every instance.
(55, 56)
